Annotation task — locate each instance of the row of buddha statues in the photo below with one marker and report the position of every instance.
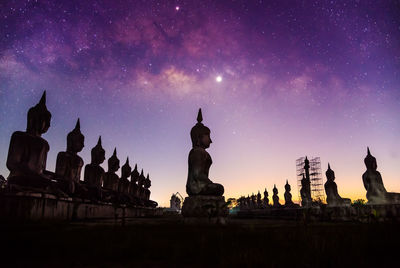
(256, 202)
(27, 158)
(372, 180)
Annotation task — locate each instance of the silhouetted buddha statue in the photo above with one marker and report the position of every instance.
(305, 191)
(94, 173)
(288, 195)
(332, 196)
(124, 183)
(248, 201)
(147, 185)
(373, 183)
(200, 161)
(27, 153)
(266, 200)
(259, 201)
(275, 197)
(253, 200)
(141, 180)
(111, 180)
(69, 163)
(134, 188)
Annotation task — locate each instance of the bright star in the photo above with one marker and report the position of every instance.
(177, 8)
(218, 79)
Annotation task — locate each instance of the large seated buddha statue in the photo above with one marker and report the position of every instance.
(266, 200)
(124, 183)
(288, 195)
(69, 164)
(275, 197)
(141, 189)
(94, 173)
(373, 183)
(200, 161)
(332, 196)
(205, 197)
(27, 154)
(133, 187)
(111, 180)
(147, 185)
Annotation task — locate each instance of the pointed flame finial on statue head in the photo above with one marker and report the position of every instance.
(199, 116)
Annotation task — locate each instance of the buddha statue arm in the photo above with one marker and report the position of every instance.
(197, 162)
(18, 160)
(365, 181)
(78, 171)
(14, 155)
(61, 167)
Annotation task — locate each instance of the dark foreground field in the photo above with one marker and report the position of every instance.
(170, 243)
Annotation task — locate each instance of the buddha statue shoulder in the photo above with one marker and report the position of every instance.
(27, 154)
(199, 161)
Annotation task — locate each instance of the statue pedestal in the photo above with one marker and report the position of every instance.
(204, 206)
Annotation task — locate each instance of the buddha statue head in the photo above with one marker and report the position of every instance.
(141, 179)
(275, 190)
(330, 174)
(135, 174)
(370, 161)
(287, 186)
(38, 118)
(75, 139)
(113, 162)
(200, 134)
(98, 153)
(126, 169)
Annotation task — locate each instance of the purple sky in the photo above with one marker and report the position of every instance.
(296, 78)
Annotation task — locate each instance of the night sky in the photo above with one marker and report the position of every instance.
(276, 80)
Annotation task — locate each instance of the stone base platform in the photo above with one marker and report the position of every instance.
(364, 213)
(40, 206)
(203, 206)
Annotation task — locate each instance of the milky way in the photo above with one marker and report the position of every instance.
(276, 80)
